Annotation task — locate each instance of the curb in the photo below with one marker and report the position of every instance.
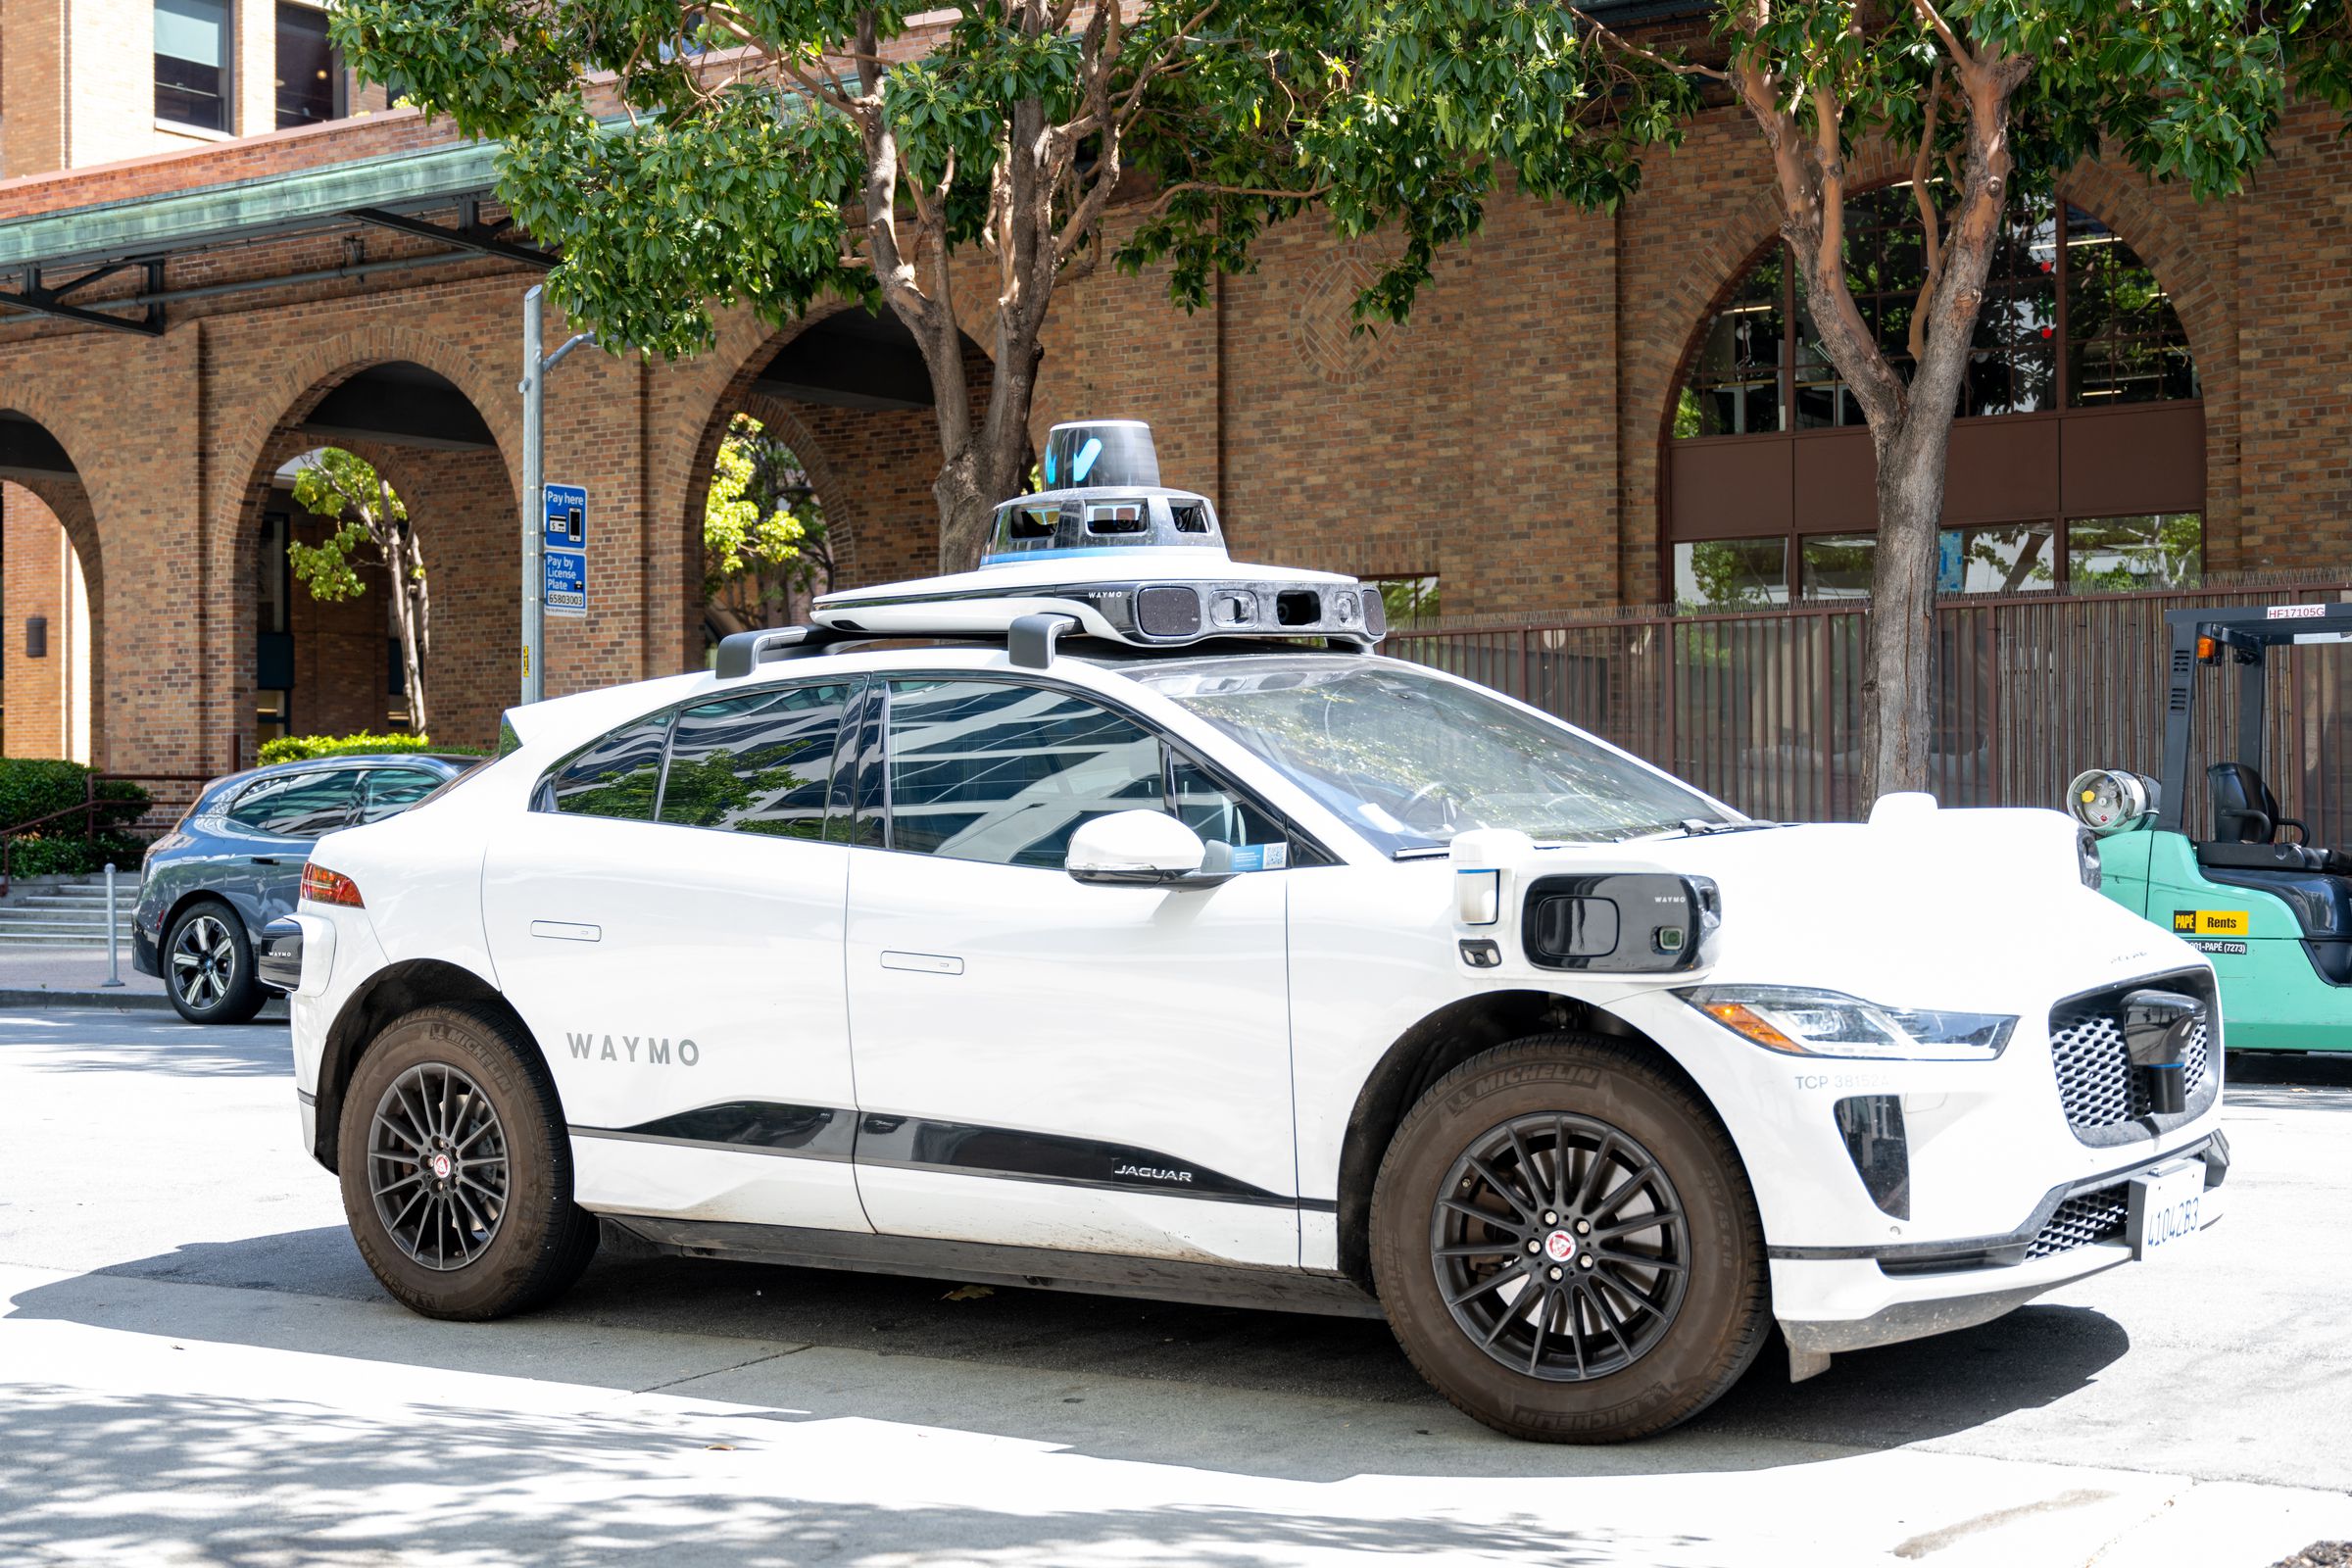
(124, 1000)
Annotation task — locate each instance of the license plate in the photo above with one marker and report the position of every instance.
(2167, 1206)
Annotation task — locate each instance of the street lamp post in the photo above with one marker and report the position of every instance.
(535, 369)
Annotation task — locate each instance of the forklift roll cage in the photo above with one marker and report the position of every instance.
(2247, 633)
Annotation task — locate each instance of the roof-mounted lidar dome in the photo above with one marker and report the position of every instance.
(1102, 494)
(1101, 451)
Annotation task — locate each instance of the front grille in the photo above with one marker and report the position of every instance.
(2082, 1220)
(2096, 1084)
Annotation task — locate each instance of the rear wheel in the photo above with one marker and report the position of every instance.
(457, 1169)
(208, 965)
(1566, 1246)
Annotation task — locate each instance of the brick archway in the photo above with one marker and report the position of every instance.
(872, 470)
(68, 499)
(473, 567)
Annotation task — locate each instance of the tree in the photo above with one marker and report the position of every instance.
(779, 155)
(765, 540)
(344, 488)
(1978, 95)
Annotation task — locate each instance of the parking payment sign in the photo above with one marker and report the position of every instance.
(565, 590)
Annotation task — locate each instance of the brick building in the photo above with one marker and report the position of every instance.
(1588, 411)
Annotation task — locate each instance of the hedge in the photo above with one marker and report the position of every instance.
(35, 787)
(310, 747)
(68, 854)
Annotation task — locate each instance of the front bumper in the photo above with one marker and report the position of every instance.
(1853, 1299)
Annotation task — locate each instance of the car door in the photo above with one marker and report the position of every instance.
(667, 919)
(269, 829)
(1046, 1063)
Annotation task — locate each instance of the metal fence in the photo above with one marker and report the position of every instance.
(1762, 709)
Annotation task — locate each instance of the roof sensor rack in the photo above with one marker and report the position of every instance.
(1123, 558)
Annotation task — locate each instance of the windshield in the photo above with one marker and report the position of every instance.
(1411, 760)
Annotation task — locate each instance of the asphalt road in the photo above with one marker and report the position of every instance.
(196, 1368)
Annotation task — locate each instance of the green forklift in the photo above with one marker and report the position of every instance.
(2271, 909)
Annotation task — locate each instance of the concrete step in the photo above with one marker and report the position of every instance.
(61, 930)
(86, 941)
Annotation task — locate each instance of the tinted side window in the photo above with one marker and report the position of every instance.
(981, 770)
(389, 791)
(619, 776)
(757, 764)
(298, 806)
(1216, 813)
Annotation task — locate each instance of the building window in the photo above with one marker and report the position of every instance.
(2074, 324)
(1760, 365)
(274, 641)
(191, 63)
(310, 77)
(1732, 573)
(2152, 551)
(2156, 551)
(1408, 601)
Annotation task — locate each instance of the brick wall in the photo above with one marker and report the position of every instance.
(1508, 440)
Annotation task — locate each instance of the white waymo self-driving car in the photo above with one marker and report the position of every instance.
(1111, 918)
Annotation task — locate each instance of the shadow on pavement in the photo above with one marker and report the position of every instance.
(127, 1475)
(921, 1341)
(2276, 1080)
(159, 1043)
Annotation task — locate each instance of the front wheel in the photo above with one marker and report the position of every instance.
(208, 965)
(1566, 1246)
(457, 1168)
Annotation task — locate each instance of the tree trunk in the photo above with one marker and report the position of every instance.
(410, 608)
(1897, 697)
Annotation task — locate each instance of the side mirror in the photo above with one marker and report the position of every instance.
(1142, 848)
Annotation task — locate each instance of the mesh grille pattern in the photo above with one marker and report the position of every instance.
(2095, 1081)
(2082, 1220)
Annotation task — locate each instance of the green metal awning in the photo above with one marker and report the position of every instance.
(151, 225)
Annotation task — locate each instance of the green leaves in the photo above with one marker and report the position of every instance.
(1394, 116)
(336, 484)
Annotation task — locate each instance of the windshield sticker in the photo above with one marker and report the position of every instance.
(2230, 949)
(1259, 857)
(2212, 923)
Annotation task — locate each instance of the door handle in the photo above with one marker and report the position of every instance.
(265, 860)
(568, 931)
(923, 963)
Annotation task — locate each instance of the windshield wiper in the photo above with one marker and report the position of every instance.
(1699, 828)
(1419, 852)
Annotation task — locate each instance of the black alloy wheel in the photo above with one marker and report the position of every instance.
(437, 1166)
(1565, 1241)
(457, 1166)
(1560, 1247)
(208, 965)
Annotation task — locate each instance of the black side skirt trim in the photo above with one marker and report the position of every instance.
(962, 1149)
(1034, 1267)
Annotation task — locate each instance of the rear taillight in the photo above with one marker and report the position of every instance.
(322, 886)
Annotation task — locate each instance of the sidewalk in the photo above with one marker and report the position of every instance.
(31, 968)
(76, 977)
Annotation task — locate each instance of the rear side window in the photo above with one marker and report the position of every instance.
(298, 806)
(390, 791)
(757, 764)
(619, 776)
(983, 770)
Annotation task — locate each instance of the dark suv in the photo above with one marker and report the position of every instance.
(234, 864)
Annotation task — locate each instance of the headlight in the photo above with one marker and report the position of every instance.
(2086, 859)
(1804, 1022)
